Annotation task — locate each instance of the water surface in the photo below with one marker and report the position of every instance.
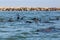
(21, 30)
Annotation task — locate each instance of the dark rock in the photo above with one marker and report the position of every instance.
(18, 17)
(28, 22)
(37, 30)
(57, 18)
(35, 19)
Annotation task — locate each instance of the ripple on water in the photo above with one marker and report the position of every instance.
(22, 30)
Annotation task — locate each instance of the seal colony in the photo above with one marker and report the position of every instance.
(35, 20)
(28, 9)
(32, 19)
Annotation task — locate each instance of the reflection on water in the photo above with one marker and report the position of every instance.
(24, 27)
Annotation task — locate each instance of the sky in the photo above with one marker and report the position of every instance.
(30, 3)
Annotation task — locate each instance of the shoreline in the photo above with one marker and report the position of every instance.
(28, 9)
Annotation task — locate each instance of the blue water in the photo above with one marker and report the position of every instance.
(20, 30)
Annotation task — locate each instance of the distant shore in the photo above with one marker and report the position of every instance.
(27, 9)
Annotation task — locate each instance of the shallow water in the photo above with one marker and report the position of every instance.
(20, 30)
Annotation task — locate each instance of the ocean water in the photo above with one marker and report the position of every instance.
(21, 29)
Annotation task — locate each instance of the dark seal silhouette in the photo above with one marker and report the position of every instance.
(28, 21)
(35, 19)
(18, 17)
(50, 29)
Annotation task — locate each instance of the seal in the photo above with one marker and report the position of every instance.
(50, 29)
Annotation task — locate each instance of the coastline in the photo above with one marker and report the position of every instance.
(28, 9)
